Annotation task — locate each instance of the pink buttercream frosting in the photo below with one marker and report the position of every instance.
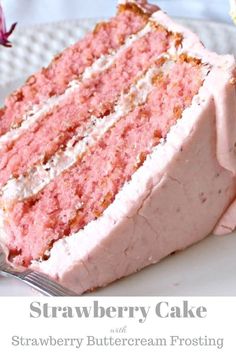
(227, 223)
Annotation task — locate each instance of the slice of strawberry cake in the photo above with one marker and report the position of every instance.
(120, 152)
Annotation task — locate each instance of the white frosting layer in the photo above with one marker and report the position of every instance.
(41, 175)
(100, 65)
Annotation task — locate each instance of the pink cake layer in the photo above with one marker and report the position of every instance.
(94, 97)
(71, 63)
(83, 192)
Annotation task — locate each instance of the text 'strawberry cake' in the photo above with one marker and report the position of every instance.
(119, 153)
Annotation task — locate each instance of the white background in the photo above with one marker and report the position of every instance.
(27, 12)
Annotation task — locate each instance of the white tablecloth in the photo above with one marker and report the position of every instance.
(27, 12)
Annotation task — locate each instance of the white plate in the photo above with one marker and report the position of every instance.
(207, 268)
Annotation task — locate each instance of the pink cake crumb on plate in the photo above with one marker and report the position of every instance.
(123, 160)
